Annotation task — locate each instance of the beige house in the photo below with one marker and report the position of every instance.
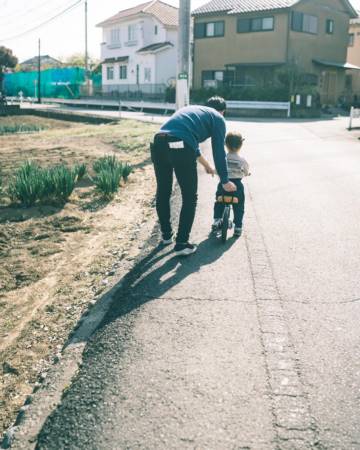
(244, 43)
(353, 57)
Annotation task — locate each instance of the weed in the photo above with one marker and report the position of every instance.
(27, 185)
(80, 170)
(107, 181)
(127, 170)
(108, 162)
(20, 128)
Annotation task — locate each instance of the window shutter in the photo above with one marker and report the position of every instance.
(297, 21)
(199, 31)
(219, 28)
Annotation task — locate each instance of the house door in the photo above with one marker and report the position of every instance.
(329, 88)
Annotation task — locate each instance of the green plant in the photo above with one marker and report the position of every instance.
(20, 128)
(108, 162)
(126, 171)
(59, 183)
(80, 170)
(27, 185)
(107, 181)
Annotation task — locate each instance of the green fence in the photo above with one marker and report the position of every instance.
(55, 83)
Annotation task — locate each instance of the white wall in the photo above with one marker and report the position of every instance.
(166, 65)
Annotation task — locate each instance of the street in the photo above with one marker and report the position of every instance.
(249, 345)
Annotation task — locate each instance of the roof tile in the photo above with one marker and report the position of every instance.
(166, 14)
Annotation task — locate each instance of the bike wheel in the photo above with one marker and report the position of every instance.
(225, 223)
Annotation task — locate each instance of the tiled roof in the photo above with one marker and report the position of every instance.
(154, 47)
(246, 6)
(243, 6)
(166, 14)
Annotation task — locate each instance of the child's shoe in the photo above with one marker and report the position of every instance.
(216, 225)
(237, 232)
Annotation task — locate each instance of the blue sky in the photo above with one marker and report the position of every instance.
(65, 35)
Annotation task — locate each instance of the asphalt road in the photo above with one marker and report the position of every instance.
(249, 345)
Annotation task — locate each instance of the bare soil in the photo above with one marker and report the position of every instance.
(55, 260)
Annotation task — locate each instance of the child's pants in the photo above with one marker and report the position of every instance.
(238, 208)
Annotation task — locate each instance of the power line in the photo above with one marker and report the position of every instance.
(22, 12)
(68, 9)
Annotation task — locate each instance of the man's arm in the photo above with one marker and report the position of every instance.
(219, 155)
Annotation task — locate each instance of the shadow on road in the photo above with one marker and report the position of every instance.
(157, 273)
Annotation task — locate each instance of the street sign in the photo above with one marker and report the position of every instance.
(183, 76)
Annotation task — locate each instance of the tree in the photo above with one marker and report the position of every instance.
(78, 60)
(7, 61)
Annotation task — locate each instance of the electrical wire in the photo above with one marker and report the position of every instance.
(51, 19)
(18, 14)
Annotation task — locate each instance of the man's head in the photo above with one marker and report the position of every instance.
(217, 103)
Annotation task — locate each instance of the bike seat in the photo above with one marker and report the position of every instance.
(230, 199)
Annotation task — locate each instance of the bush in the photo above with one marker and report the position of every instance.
(126, 171)
(27, 184)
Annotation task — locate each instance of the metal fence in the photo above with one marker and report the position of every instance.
(136, 92)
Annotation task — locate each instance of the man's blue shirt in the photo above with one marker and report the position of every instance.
(195, 124)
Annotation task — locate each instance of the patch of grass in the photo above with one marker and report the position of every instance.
(20, 128)
(27, 185)
(108, 162)
(33, 183)
(80, 170)
(107, 181)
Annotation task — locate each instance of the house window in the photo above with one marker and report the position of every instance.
(212, 78)
(115, 36)
(209, 29)
(131, 33)
(123, 72)
(255, 24)
(110, 73)
(147, 75)
(330, 26)
(304, 23)
(156, 30)
(351, 39)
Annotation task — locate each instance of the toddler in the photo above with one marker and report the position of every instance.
(238, 168)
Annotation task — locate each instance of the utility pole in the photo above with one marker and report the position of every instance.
(183, 63)
(39, 74)
(86, 50)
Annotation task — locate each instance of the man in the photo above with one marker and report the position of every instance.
(176, 149)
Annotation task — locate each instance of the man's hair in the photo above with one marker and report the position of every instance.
(217, 103)
(233, 141)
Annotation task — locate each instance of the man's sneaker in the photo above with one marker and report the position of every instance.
(185, 249)
(167, 239)
(216, 225)
(237, 232)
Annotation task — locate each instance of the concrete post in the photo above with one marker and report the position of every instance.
(183, 63)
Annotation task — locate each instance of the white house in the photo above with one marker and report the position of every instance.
(138, 51)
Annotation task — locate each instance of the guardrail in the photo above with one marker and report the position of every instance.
(237, 104)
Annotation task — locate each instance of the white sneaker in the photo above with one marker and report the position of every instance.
(185, 249)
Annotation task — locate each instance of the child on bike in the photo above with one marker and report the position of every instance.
(238, 168)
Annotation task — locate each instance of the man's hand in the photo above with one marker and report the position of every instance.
(229, 186)
(210, 170)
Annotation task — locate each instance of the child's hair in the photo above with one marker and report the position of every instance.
(234, 141)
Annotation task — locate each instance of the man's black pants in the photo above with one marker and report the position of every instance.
(182, 161)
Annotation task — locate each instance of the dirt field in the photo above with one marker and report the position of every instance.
(56, 260)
